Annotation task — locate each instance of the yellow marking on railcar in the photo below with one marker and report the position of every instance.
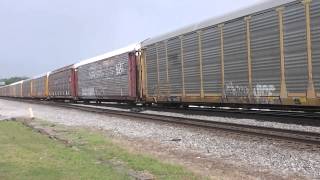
(167, 67)
(31, 88)
(202, 95)
(158, 73)
(283, 86)
(311, 93)
(222, 58)
(182, 68)
(47, 86)
(247, 19)
(21, 89)
(144, 65)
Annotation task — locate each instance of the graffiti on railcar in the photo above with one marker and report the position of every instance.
(88, 91)
(120, 68)
(107, 70)
(232, 89)
(263, 90)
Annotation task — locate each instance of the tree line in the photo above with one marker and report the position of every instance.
(11, 80)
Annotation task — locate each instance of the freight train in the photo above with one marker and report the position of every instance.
(265, 55)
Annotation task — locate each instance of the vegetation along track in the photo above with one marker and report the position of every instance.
(305, 140)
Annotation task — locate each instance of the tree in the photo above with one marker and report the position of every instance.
(13, 80)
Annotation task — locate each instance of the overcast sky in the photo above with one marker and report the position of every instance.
(37, 36)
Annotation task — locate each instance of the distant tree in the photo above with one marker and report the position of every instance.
(13, 80)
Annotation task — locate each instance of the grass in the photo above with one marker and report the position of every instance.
(27, 154)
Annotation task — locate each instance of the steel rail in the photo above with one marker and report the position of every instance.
(268, 132)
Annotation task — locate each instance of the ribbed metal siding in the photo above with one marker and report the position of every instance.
(152, 75)
(191, 63)
(315, 31)
(174, 58)
(162, 62)
(235, 59)
(26, 88)
(60, 83)
(295, 48)
(38, 87)
(104, 79)
(265, 51)
(17, 88)
(211, 60)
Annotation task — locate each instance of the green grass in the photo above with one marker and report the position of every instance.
(26, 154)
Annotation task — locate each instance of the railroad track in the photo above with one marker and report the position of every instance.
(309, 140)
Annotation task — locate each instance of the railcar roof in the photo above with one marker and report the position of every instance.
(41, 75)
(19, 82)
(129, 48)
(267, 4)
(62, 69)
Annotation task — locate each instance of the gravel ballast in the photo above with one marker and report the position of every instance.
(252, 122)
(258, 155)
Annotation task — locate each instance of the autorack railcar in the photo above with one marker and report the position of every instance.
(109, 77)
(17, 89)
(40, 86)
(62, 83)
(265, 54)
(27, 88)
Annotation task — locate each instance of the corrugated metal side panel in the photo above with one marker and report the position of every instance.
(3, 91)
(38, 87)
(265, 49)
(174, 60)
(104, 79)
(60, 83)
(295, 48)
(17, 88)
(315, 31)
(235, 59)
(162, 62)
(191, 63)
(152, 75)
(211, 60)
(26, 88)
(8, 91)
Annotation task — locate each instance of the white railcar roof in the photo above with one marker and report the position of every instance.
(41, 75)
(129, 48)
(19, 82)
(267, 4)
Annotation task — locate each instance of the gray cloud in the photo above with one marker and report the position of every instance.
(40, 35)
